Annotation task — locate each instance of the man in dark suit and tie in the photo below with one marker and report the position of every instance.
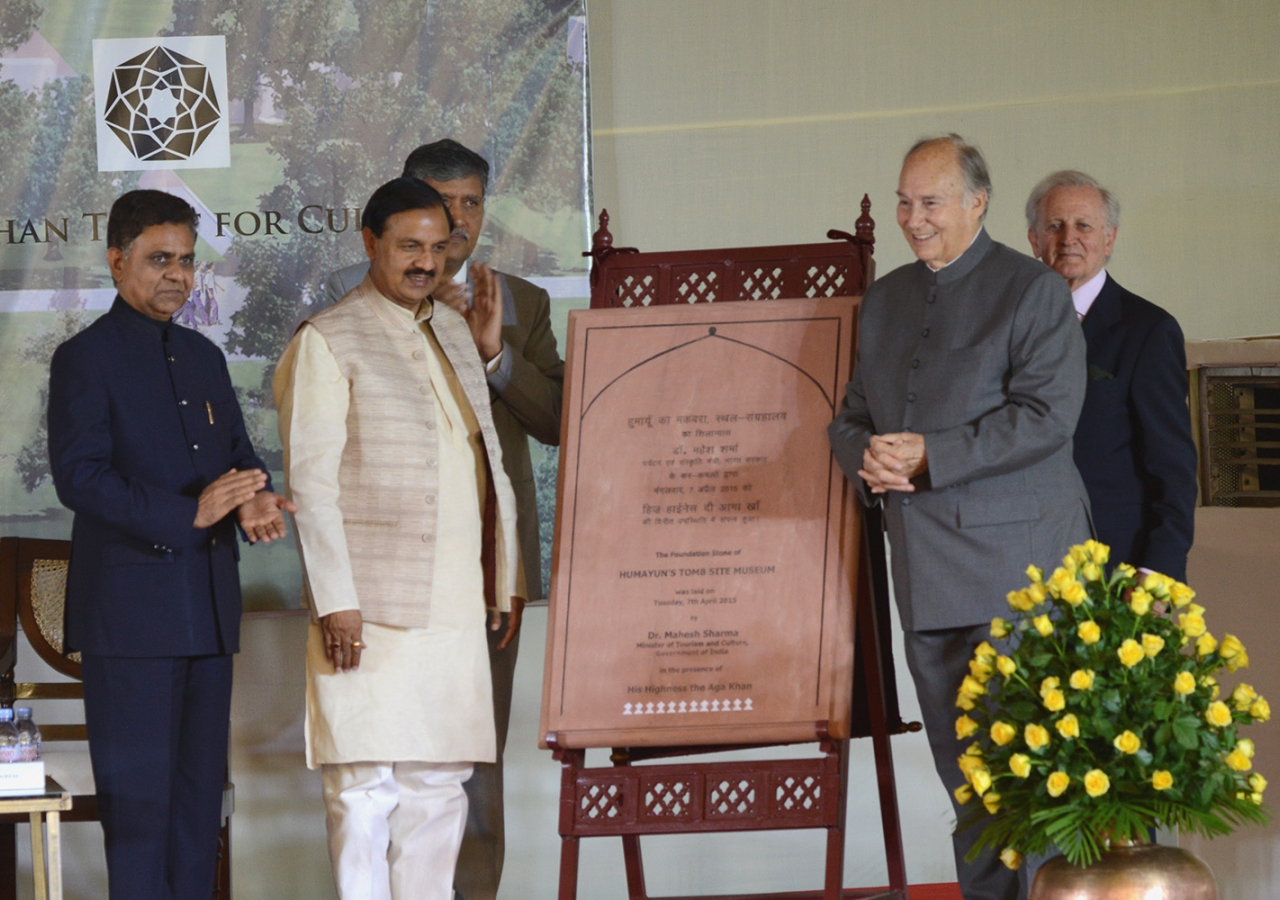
(1133, 444)
(148, 448)
(526, 378)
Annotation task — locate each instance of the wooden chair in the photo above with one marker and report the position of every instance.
(33, 583)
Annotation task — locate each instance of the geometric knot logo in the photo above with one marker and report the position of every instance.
(161, 105)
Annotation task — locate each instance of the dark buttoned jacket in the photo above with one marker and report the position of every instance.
(1133, 445)
(984, 359)
(142, 417)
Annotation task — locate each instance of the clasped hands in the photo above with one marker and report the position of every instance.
(480, 303)
(892, 460)
(260, 512)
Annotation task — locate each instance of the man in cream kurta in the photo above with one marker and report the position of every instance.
(390, 452)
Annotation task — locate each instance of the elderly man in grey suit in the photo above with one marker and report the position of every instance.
(968, 383)
(526, 376)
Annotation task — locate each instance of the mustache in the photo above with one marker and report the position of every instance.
(460, 232)
(429, 273)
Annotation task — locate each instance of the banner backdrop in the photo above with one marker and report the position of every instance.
(276, 119)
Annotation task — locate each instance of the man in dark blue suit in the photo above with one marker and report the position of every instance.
(149, 450)
(1133, 443)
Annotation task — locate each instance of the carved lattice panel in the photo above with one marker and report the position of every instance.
(797, 794)
(733, 797)
(635, 288)
(690, 285)
(830, 280)
(763, 282)
(666, 798)
(600, 801)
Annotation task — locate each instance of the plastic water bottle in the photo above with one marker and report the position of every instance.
(8, 737)
(28, 749)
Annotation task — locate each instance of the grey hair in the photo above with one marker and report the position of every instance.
(972, 165)
(1066, 178)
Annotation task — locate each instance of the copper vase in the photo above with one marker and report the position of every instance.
(1128, 872)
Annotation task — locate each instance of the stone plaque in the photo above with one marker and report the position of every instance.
(706, 549)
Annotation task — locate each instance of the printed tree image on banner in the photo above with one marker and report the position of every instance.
(275, 119)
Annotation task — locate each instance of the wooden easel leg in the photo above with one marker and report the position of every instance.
(568, 867)
(634, 863)
(874, 579)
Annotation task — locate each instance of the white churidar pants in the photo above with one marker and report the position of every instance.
(395, 828)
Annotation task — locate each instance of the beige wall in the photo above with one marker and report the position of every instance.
(730, 122)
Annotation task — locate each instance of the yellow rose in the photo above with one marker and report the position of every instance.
(1257, 782)
(1037, 593)
(970, 688)
(1074, 593)
(1185, 683)
(1192, 625)
(1057, 783)
(1127, 742)
(1233, 654)
(1152, 644)
(1099, 552)
(1162, 780)
(981, 781)
(1011, 858)
(1043, 625)
(1206, 644)
(1002, 733)
(1210, 682)
(1180, 594)
(1078, 555)
(1218, 714)
(1049, 684)
(1243, 696)
(1089, 632)
(1091, 571)
(1245, 746)
(1127, 570)
(992, 802)
(1238, 761)
(968, 764)
(1096, 783)
(1059, 580)
(1157, 584)
(1082, 679)
(1131, 653)
(963, 794)
(1036, 736)
(1019, 600)
(1020, 765)
(1140, 602)
(1068, 726)
(1260, 709)
(1256, 798)
(1006, 665)
(980, 669)
(1035, 574)
(965, 727)
(1055, 701)
(984, 651)
(1000, 628)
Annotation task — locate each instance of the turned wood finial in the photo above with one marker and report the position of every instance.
(866, 226)
(602, 247)
(602, 239)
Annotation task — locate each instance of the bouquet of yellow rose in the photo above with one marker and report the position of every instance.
(1105, 717)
